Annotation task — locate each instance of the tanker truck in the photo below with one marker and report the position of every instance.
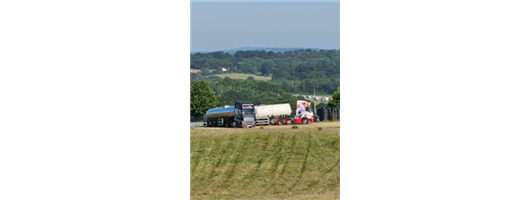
(280, 114)
(240, 115)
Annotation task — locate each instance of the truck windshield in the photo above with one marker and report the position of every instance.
(248, 111)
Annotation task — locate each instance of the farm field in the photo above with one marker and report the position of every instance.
(276, 162)
(243, 76)
(194, 71)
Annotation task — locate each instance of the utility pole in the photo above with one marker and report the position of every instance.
(314, 86)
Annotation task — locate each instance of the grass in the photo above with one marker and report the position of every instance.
(275, 162)
(244, 76)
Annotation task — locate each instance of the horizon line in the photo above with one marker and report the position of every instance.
(255, 48)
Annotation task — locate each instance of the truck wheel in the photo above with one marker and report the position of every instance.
(304, 121)
(289, 122)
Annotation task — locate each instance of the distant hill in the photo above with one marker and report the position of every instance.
(232, 51)
(298, 71)
(274, 49)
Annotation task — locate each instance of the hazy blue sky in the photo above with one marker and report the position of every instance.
(227, 25)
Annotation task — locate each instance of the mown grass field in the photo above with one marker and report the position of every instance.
(276, 162)
(243, 76)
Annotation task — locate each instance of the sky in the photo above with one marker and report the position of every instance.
(226, 25)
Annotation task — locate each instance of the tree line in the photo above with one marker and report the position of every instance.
(298, 71)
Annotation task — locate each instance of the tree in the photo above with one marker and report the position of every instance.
(266, 68)
(225, 100)
(335, 99)
(202, 99)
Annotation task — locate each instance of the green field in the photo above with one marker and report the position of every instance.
(276, 162)
(243, 76)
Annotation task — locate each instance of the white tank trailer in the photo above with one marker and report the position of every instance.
(239, 115)
(272, 110)
(264, 113)
(280, 114)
